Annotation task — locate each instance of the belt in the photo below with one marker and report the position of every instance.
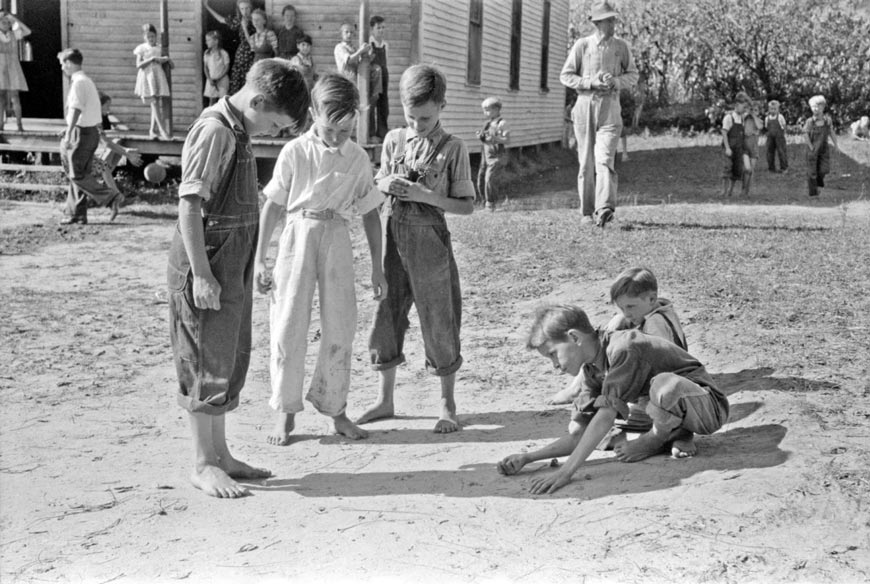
(320, 214)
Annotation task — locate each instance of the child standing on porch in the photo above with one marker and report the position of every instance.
(151, 83)
(216, 66)
(321, 181)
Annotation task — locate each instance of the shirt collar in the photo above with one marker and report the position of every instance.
(600, 40)
(231, 113)
(374, 42)
(433, 136)
(317, 141)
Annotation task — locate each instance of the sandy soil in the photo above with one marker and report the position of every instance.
(95, 452)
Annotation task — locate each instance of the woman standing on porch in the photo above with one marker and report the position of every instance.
(12, 79)
(239, 23)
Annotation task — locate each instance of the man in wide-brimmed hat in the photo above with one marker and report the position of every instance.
(598, 67)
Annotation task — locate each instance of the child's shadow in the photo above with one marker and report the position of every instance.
(728, 452)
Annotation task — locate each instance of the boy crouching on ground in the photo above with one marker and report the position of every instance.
(683, 399)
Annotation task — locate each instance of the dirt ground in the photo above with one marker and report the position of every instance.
(95, 452)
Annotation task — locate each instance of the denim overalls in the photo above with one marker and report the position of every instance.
(420, 269)
(733, 168)
(212, 348)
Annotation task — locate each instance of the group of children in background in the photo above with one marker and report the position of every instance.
(740, 134)
(322, 180)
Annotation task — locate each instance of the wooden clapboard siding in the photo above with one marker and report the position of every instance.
(534, 116)
(107, 31)
(322, 20)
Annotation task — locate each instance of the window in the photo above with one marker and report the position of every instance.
(545, 47)
(475, 41)
(516, 28)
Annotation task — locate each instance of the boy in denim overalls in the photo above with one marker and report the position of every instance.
(211, 262)
(426, 172)
(321, 181)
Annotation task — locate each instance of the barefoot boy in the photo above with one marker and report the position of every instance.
(321, 181)
(494, 136)
(426, 172)
(682, 397)
(211, 262)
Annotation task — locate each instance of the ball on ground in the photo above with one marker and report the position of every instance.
(155, 173)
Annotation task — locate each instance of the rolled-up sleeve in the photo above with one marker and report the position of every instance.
(277, 189)
(461, 186)
(624, 382)
(208, 152)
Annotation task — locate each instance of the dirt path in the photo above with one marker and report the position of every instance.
(95, 451)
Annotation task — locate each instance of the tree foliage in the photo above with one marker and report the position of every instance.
(709, 50)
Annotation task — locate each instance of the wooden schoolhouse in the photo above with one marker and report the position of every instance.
(506, 48)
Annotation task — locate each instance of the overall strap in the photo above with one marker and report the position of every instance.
(231, 169)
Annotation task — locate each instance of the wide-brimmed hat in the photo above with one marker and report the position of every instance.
(602, 10)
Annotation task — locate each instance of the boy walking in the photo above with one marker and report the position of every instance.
(426, 173)
(631, 366)
(211, 262)
(494, 136)
(774, 125)
(80, 141)
(321, 181)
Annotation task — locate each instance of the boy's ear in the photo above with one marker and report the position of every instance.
(258, 102)
(574, 335)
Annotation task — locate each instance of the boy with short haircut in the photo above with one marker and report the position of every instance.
(289, 33)
(321, 181)
(304, 61)
(631, 366)
(379, 108)
(211, 262)
(493, 156)
(774, 126)
(635, 293)
(426, 173)
(80, 141)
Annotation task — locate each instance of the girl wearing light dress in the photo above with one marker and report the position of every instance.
(12, 79)
(216, 65)
(151, 83)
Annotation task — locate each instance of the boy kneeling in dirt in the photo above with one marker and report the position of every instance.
(683, 399)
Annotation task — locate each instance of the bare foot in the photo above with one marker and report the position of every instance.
(379, 411)
(644, 446)
(683, 445)
(448, 422)
(347, 428)
(284, 424)
(565, 396)
(242, 470)
(215, 482)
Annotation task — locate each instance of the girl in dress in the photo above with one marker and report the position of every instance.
(239, 23)
(264, 41)
(151, 83)
(12, 79)
(216, 65)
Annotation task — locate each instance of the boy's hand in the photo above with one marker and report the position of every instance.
(550, 483)
(133, 156)
(263, 278)
(511, 465)
(408, 191)
(379, 285)
(206, 292)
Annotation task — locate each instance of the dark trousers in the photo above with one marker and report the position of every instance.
(80, 173)
(776, 149)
